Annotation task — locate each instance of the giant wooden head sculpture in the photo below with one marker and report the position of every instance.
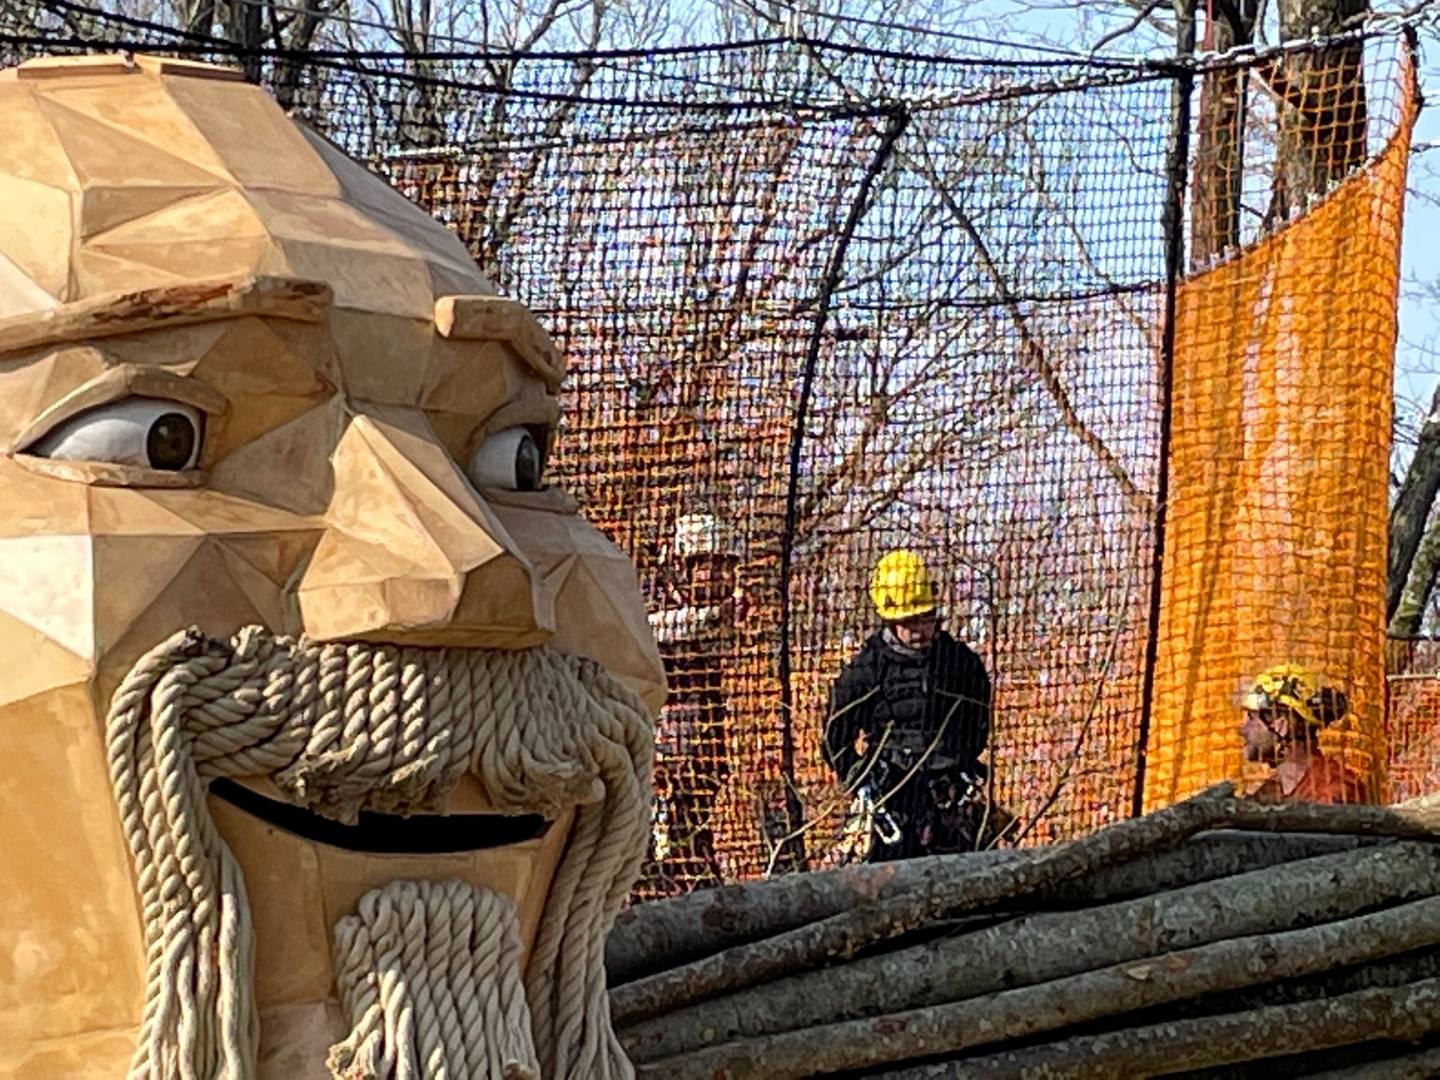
(323, 720)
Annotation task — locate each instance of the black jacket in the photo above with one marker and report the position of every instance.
(911, 696)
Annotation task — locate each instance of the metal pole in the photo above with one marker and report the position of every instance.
(1177, 169)
(899, 120)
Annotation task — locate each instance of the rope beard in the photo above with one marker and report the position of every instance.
(345, 727)
(430, 995)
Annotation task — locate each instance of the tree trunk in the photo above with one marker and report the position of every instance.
(1410, 1012)
(1382, 974)
(289, 74)
(1321, 117)
(1040, 948)
(1108, 992)
(842, 936)
(197, 16)
(1215, 184)
(1411, 821)
(1409, 616)
(1408, 519)
(242, 28)
(664, 934)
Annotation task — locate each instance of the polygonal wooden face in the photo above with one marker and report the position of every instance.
(313, 509)
(329, 491)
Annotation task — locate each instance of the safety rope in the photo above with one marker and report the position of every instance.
(345, 727)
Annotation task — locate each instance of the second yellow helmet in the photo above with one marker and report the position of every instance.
(1297, 688)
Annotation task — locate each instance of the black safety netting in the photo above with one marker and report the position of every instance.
(820, 303)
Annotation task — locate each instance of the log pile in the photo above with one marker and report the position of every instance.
(1216, 938)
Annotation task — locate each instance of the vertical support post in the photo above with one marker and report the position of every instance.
(1177, 168)
(899, 120)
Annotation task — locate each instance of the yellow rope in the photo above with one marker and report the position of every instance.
(345, 727)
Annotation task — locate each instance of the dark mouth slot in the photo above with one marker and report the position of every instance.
(388, 834)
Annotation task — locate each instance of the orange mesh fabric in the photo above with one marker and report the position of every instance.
(1275, 545)
(983, 384)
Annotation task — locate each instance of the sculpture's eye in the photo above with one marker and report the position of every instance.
(145, 432)
(509, 459)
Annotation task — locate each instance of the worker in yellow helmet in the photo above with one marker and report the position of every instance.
(1285, 710)
(909, 718)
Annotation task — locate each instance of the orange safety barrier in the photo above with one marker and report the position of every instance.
(1275, 537)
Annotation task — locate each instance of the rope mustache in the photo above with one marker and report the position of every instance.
(345, 727)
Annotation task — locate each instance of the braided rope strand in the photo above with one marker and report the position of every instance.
(401, 1031)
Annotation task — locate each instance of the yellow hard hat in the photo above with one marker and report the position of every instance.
(1293, 687)
(901, 586)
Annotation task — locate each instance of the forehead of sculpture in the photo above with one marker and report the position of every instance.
(254, 354)
(120, 174)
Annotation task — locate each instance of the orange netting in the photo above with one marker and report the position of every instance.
(1412, 729)
(819, 302)
(1275, 544)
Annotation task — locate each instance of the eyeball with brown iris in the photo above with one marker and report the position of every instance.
(144, 432)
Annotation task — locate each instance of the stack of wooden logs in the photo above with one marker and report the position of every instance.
(1214, 938)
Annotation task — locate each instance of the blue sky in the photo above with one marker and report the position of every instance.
(1417, 360)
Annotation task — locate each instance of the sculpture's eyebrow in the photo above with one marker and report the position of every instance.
(495, 318)
(165, 306)
(116, 383)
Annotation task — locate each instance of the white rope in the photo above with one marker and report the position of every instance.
(429, 973)
(345, 727)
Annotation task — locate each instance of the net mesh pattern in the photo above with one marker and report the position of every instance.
(1276, 545)
(820, 303)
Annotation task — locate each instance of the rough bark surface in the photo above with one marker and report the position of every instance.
(1408, 577)
(1038, 948)
(1382, 974)
(1319, 94)
(1216, 173)
(841, 936)
(665, 934)
(1015, 1014)
(1409, 1012)
(1411, 821)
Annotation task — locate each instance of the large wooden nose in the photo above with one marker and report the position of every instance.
(411, 554)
